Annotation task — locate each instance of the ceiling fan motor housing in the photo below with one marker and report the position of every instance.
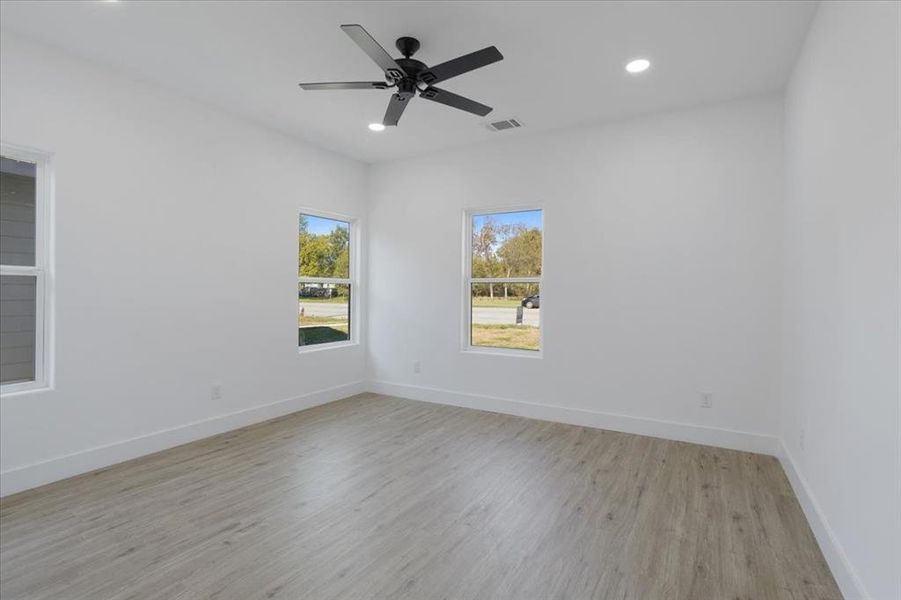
(411, 67)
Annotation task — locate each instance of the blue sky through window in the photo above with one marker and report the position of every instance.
(323, 226)
(531, 219)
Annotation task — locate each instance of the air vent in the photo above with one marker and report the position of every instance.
(502, 125)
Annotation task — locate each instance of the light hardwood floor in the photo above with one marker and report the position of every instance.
(377, 497)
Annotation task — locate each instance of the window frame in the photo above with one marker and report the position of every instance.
(354, 329)
(42, 271)
(469, 280)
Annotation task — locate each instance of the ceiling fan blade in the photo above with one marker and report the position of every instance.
(460, 65)
(455, 101)
(372, 48)
(346, 85)
(396, 107)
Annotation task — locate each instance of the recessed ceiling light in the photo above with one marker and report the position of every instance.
(638, 65)
(376, 127)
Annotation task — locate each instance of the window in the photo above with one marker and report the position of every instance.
(24, 273)
(325, 282)
(503, 281)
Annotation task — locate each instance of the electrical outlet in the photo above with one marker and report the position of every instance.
(216, 391)
(801, 439)
(416, 366)
(706, 400)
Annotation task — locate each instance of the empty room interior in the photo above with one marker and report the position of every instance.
(503, 300)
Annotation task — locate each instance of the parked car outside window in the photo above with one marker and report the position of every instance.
(532, 301)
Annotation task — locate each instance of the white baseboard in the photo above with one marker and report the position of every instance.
(846, 577)
(670, 430)
(36, 474)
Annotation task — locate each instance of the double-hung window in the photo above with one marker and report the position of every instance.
(24, 269)
(502, 281)
(326, 280)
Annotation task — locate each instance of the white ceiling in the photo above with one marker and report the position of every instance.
(563, 62)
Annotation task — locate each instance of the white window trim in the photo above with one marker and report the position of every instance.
(42, 270)
(468, 280)
(353, 280)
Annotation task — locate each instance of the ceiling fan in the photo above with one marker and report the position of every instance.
(409, 75)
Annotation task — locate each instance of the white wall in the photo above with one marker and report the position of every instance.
(666, 228)
(842, 301)
(176, 245)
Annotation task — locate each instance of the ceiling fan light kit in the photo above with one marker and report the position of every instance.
(410, 76)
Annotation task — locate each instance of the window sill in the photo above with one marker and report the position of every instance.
(508, 352)
(328, 346)
(21, 389)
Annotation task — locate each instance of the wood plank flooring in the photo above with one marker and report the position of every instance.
(383, 498)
